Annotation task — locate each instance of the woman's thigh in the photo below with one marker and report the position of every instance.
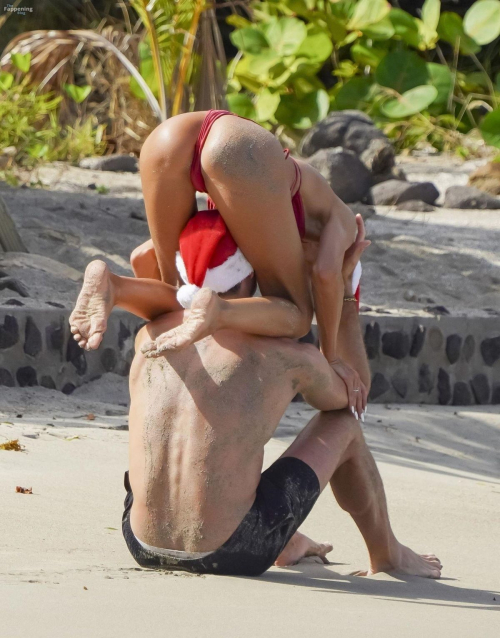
(169, 196)
(249, 180)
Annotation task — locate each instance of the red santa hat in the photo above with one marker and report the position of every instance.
(208, 257)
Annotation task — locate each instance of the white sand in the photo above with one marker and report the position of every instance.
(441, 470)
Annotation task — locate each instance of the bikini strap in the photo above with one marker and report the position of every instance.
(298, 177)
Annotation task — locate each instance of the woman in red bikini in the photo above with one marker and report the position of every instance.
(284, 217)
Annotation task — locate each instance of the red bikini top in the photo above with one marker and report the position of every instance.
(199, 183)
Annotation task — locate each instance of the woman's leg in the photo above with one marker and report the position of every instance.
(102, 291)
(144, 263)
(249, 180)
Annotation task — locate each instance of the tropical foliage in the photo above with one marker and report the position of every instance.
(419, 78)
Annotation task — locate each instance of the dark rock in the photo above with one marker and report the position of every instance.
(76, 356)
(379, 157)
(469, 347)
(13, 302)
(48, 382)
(372, 340)
(352, 130)
(470, 197)
(362, 209)
(379, 386)
(425, 383)
(396, 191)
(444, 387)
(481, 388)
(400, 384)
(462, 394)
(68, 388)
(9, 332)
(124, 163)
(108, 359)
(416, 206)
(92, 186)
(453, 346)
(10, 283)
(26, 377)
(32, 338)
(495, 395)
(55, 304)
(123, 334)
(396, 344)
(395, 173)
(310, 337)
(6, 378)
(417, 342)
(490, 350)
(139, 214)
(365, 308)
(54, 336)
(437, 310)
(345, 173)
(436, 339)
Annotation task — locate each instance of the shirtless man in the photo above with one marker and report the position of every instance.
(199, 420)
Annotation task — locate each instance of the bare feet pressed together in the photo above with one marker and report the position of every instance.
(201, 321)
(299, 547)
(89, 319)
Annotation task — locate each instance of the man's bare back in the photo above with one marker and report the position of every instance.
(199, 421)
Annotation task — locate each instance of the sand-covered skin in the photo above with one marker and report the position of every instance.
(65, 570)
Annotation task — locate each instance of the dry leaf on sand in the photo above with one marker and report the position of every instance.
(24, 490)
(13, 446)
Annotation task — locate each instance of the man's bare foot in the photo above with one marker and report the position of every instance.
(89, 319)
(201, 322)
(300, 546)
(405, 561)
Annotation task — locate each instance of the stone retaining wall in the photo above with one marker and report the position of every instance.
(445, 360)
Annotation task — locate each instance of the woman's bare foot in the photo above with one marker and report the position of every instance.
(95, 302)
(403, 560)
(201, 322)
(300, 546)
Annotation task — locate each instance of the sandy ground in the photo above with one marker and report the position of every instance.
(65, 570)
(446, 257)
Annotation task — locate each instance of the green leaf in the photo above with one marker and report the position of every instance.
(490, 128)
(317, 47)
(21, 61)
(381, 30)
(285, 35)
(365, 55)
(238, 21)
(411, 102)
(147, 70)
(367, 12)
(266, 106)
(430, 14)
(77, 93)
(38, 150)
(451, 29)
(402, 71)
(6, 80)
(335, 26)
(405, 27)
(241, 104)
(441, 77)
(302, 114)
(260, 65)
(249, 40)
(482, 21)
(353, 95)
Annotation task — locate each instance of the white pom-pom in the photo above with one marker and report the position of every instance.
(186, 293)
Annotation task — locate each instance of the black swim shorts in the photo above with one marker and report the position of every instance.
(285, 495)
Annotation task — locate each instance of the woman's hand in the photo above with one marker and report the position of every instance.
(356, 390)
(353, 254)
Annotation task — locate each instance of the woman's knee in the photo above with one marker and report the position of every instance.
(143, 260)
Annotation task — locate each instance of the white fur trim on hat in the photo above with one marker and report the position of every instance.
(186, 293)
(221, 278)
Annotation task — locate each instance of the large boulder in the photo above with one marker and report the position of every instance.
(345, 173)
(124, 163)
(353, 131)
(395, 191)
(470, 197)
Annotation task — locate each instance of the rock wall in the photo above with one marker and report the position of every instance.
(438, 360)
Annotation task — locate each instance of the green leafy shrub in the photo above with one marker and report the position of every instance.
(419, 78)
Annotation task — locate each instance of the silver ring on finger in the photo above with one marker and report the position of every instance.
(356, 390)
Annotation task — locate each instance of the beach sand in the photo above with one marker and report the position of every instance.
(65, 570)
